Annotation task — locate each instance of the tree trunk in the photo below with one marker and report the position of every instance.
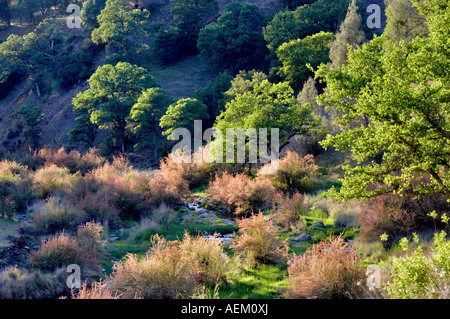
(38, 91)
(155, 146)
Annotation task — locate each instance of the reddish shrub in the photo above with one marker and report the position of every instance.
(56, 252)
(125, 188)
(385, 215)
(89, 247)
(161, 192)
(330, 269)
(99, 207)
(295, 173)
(174, 168)
(72, 160)
(259, 242)
(240, 194)
(291, 210)
(398, 216)
(85, 250)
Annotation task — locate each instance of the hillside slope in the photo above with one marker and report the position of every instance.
(179, 80)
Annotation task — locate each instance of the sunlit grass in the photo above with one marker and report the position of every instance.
(264, 282)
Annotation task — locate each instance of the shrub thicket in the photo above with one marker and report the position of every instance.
(330, 269)
(18, 283)
(15, 191)
(418, 276)
(85, 249)
(172, 269)
(259, 241)
(291, 210)
(294, 174)
(240, 194)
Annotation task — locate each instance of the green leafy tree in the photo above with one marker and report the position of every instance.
(182, 114)
(189, 17)
(350, 34)
(122, 28)
(85, 131)
(113, 90)
(33, 117)
(48, 41)
(15, 55)
(322, 15)
(235, 42)
(146, 114)
(34, 53)
(90, 11)
(268, 106)
(404, 21)
(26, 10)
(310, 142)
(168, 46)
(292, 4)
(212, 95)
(299, 55)
(244, 82)
(75, 66)
(5, 12)
(403, 90)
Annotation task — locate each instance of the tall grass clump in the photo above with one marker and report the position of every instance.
(50, 179)
(55, 214)
(329, 269)
(71, 160)
(85, 250)
(158, 222)
(240, 194)
(259, 242)
(18, 283)
(15, 191)
(56, 252)
(97, 290)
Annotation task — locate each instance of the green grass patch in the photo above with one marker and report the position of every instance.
(200, 191)
(264, 282)
(182, 78)
(8, 227)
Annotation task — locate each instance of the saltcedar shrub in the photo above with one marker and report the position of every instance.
(172, 269)
(329, 269)
(291, 210)
(242, 195)
(294, 174)
(399, 216)
(85, 249)
(259, 241)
